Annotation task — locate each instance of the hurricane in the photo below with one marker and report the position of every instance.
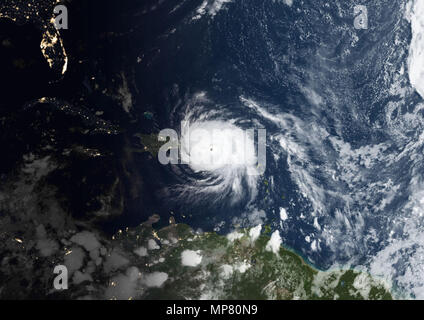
(343, 123)
(221, 160)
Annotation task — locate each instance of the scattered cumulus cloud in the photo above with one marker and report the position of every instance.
(191, 258)
(274, 244)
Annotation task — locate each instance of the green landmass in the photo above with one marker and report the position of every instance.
(239, 268)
